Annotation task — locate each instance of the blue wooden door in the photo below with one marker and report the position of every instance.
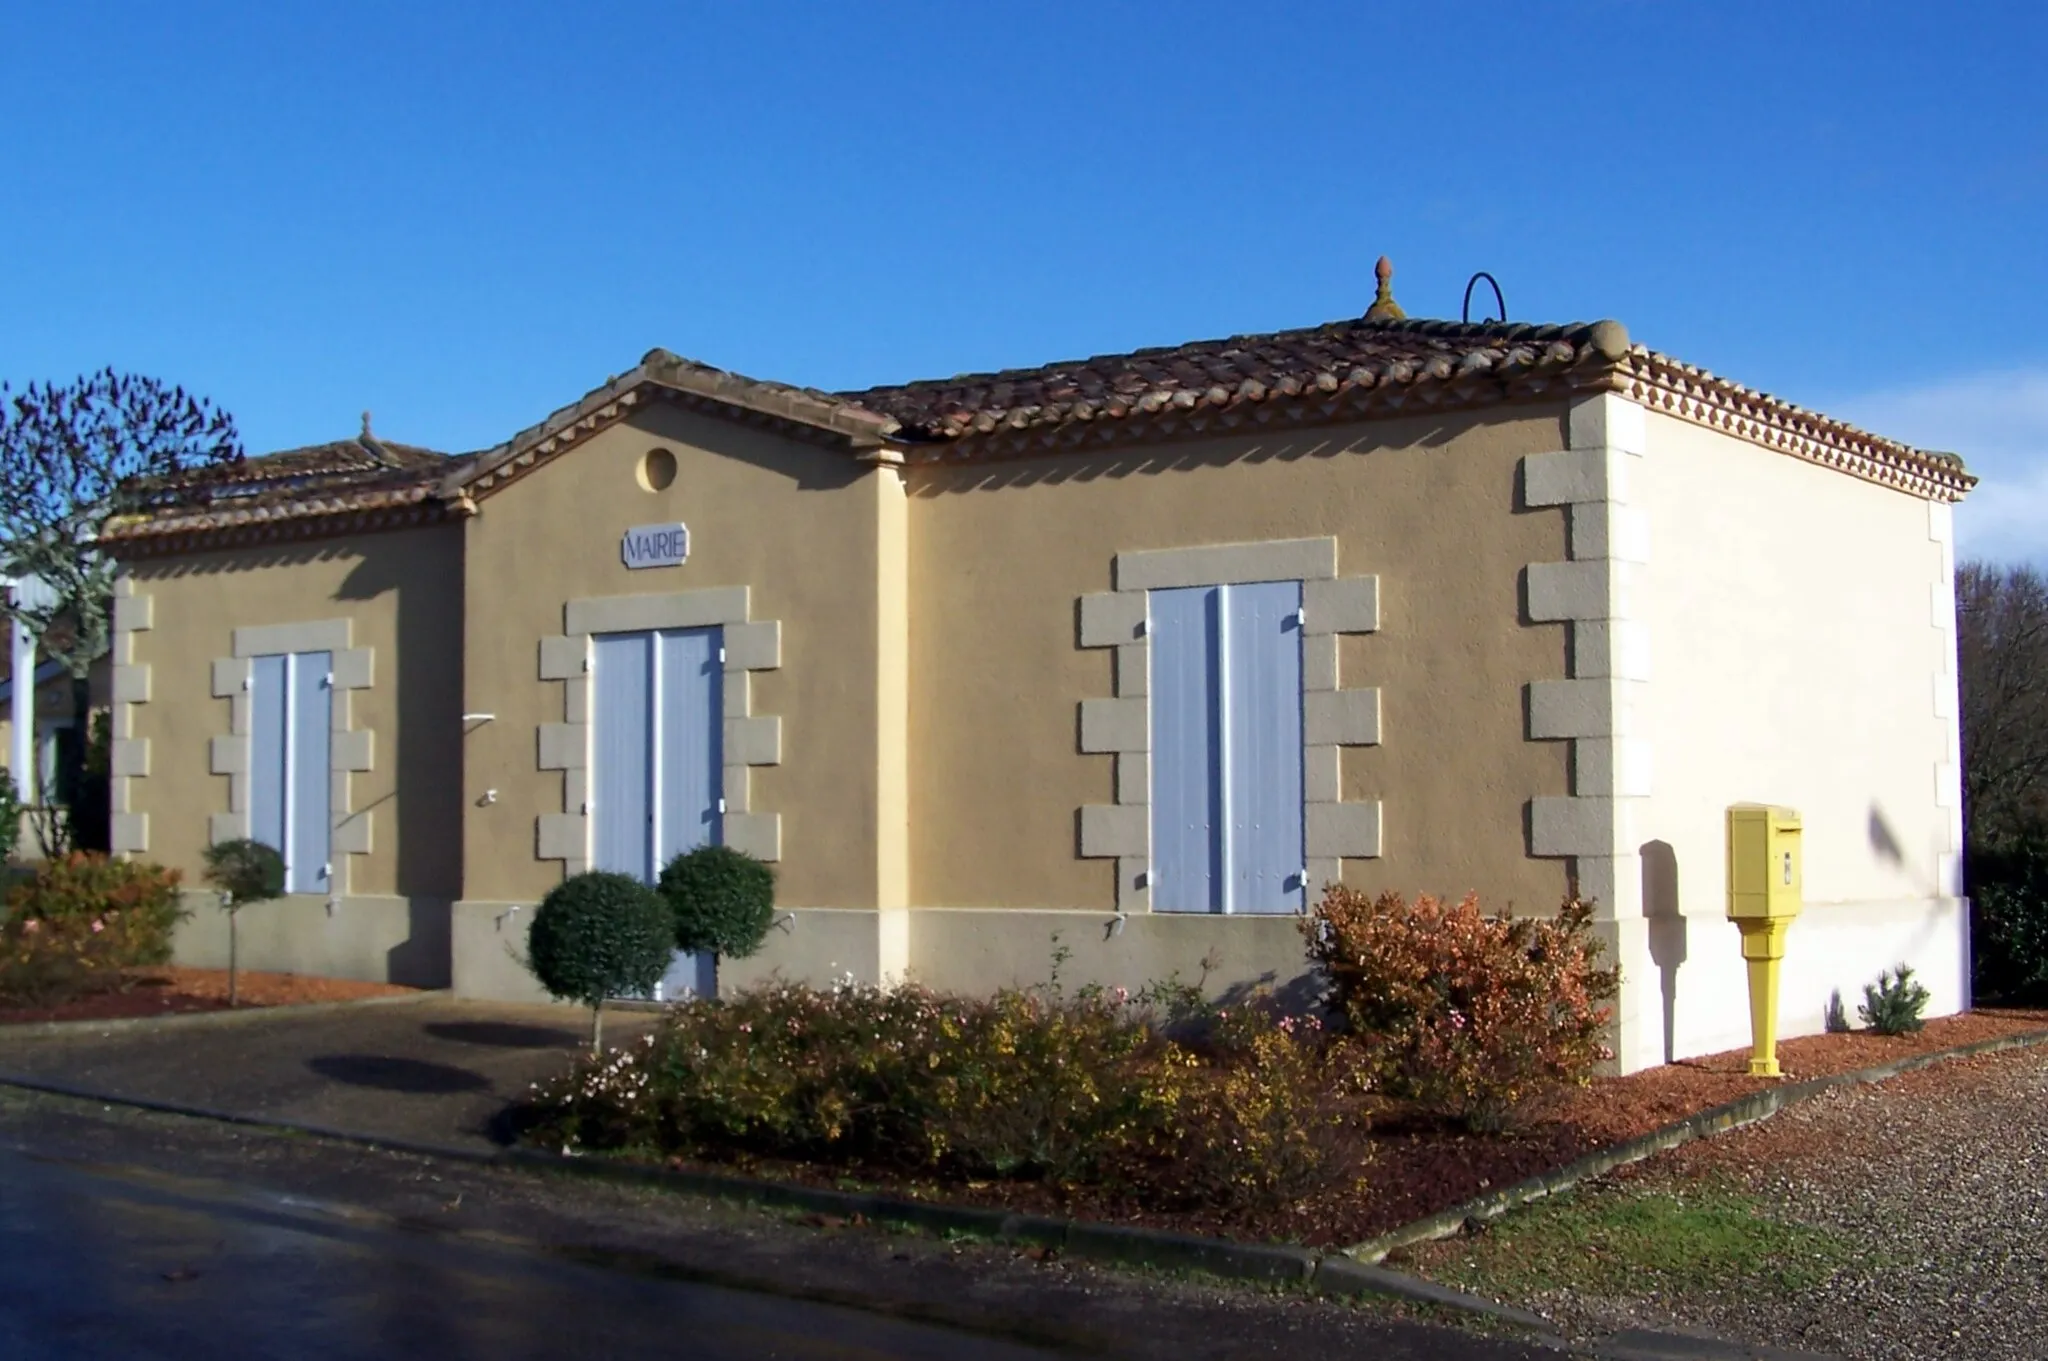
(622, 754)
(309, 770)
(1187, 748)
(1261, 647)
(689, 737)
(1225, 690)
(269, 730)
(291, 718)
(657, 755)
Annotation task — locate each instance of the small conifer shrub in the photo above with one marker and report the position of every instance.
(1892, 1005)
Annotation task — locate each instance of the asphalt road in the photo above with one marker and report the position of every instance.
(103, 1263)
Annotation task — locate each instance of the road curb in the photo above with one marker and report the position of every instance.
(201, 1020)
(1745, 1110)
(1117, 1244)
(1350, 1271)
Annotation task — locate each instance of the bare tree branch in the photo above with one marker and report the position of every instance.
(73, 456)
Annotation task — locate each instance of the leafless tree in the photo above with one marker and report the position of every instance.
(2002, 642)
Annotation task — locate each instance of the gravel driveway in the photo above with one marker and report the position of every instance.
(1941, 1180)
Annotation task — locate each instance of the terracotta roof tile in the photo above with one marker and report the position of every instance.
(1217, 374)
(362, 473)
(1353, 366)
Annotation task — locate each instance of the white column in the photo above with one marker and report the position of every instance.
(23, 758)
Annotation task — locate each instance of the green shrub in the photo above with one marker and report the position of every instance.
(245, 871)
(1892, 1005)
(2008, 887)
(1081, 1091)
(80, 922)
(10, 815)
(599, 935)
(1476, 1018)
(723, 900)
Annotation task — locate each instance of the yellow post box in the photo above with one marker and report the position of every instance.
(1765, 879)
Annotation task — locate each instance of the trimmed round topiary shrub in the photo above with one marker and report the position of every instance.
(598, 935)
(722, 900)
(247, 871)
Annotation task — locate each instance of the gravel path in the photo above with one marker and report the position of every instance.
(1941, 1174)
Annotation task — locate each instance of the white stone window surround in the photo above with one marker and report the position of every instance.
(1599, 708)
(350, 750)
(128, 831)
(1332, 718)
(749, 644)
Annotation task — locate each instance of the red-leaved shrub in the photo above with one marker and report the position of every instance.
(77, 924)
(1474, 1017)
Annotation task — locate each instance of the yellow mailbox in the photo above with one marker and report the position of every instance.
(1765, 880)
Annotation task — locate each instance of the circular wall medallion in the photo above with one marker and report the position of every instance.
(657, 470)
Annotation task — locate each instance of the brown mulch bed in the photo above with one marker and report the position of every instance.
(175, 989)
(1416, 1169)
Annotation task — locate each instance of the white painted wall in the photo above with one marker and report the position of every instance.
(1798, 656)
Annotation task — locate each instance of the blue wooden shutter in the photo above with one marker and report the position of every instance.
(1187, 750)
(1262, 746)
(621, 774)
(690, 779)
(690, 733)
(267, 705)
(308, 773)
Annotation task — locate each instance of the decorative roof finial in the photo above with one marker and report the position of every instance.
(1384, 308)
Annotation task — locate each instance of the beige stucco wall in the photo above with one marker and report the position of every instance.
(1001, 553)
(794, 523)
(1794, 660)
(402, 592)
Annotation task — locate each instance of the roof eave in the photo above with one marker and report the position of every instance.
(662, 376)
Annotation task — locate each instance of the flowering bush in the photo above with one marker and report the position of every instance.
(1474, 1017)
(1025, 1085)
(77, 923)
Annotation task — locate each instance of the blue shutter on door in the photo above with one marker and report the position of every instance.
(267, 696)
(690, 775)
(1187, 750)
(1226, 748)
(621, 774)
(308, 772)
(1262, 746)
(691, 730)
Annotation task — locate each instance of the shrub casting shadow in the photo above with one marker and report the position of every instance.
(503, 1034)
(397, 1075)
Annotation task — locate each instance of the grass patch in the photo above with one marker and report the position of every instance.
(1613, 1241)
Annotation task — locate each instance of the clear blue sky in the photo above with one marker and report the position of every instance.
(461, 217)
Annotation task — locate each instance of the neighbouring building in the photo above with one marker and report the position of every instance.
(1125, 657)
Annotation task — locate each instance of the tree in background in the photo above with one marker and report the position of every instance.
(2002, 647)
(2002, 659)
(72, 457)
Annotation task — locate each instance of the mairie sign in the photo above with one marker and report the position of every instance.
(656, 545)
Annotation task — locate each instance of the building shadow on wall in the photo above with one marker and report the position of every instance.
(1667, 931)
(423, 824)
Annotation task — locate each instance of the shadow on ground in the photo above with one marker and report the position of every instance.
(397, 1075)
